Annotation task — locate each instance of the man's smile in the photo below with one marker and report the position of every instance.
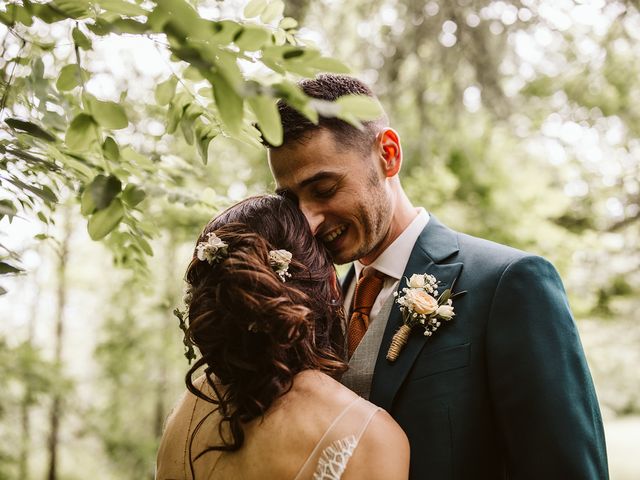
(333, 234)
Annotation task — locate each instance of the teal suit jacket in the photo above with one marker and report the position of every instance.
(502, 391)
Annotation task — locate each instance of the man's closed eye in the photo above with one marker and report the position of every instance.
(325, 193)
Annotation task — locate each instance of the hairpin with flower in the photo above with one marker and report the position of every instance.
(212, 250)
(279, 261)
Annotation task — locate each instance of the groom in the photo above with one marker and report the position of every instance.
(502, 391)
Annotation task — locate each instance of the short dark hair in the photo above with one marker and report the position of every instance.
(329, 87)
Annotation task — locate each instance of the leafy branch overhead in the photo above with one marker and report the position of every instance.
(60, 135)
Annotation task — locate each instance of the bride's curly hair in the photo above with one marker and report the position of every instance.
(254, 331)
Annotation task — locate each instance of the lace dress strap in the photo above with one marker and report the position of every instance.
(330, 456)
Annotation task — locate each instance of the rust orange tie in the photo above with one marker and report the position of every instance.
(367, 290)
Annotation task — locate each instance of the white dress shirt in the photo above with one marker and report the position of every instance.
(392, 262)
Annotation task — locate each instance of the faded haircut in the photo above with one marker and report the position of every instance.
(297, 128)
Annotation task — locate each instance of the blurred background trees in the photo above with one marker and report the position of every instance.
(121, 123)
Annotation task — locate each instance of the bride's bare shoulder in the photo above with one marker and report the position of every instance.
(383, 452)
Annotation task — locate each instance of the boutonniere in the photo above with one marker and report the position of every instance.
(422, 307)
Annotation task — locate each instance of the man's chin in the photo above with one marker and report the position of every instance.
(344, 256)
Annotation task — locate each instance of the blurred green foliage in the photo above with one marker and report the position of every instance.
(518, 124)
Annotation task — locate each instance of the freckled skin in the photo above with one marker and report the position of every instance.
(335, 187)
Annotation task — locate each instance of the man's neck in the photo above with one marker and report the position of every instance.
(403, 214)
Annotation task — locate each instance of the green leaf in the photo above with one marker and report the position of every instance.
(268, 117)
(254, 8)
(72, 8)
(166, 90)
(80, 39)
(328, 64)
(133, 195)
(43, 192)
(274, 10)
(128, 25)
(203, 148)
(204, 134)
(104, 221)
(122, 8)
(252, 38)
(30, 128)
(5, 269)
(295, 97)
(293, 53)
(444, 297)
(325, 108)
(87, 205)
(110, 149)
(176, 111)
(69, 78)
(2, 291)
(144, 245)
(48, 13)
(224, 32)
(227, 63)
(104, 189)
(16, 13)
(137, 159)
(108, 114)
(361, 106)
(41, 236)
(7, 208)
(81, 132)
(287, 23)
(229, 103)
(191, 112)
(192, 73)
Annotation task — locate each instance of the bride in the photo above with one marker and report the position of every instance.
(265, 313)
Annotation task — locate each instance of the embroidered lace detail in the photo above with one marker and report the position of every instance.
(334, 459)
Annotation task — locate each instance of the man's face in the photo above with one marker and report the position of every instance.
(340, 190)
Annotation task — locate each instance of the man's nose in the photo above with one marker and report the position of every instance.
(314, 217)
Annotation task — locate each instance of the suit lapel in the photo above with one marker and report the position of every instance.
(435, 244)
(346, 281)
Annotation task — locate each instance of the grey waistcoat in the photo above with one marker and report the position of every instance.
(358, 377)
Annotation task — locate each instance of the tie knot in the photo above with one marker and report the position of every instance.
(367, 289)
(371, 272)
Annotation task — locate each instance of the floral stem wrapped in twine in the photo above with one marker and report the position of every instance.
(420, 309)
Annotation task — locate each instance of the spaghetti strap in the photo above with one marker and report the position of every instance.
(330, 456)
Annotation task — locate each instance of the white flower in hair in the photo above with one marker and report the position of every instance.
(211, 250)
(279, 261)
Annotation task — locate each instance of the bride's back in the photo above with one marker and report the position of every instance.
(317, 420)
(264, 311)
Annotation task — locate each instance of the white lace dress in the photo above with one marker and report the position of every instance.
(330, 457)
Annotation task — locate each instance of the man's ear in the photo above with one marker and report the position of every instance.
(390, 151)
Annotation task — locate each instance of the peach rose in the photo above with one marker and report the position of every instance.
(421, 302)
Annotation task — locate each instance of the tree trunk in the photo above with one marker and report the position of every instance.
(27, 399)
(56, 406)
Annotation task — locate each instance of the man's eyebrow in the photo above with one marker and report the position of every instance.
(319, 177)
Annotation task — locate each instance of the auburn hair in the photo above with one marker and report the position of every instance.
(254, 331)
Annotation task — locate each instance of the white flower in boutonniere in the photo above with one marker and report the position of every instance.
(420, 309)
(212, 250)
(279, 261)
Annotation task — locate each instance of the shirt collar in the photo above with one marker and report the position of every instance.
(393, 260)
